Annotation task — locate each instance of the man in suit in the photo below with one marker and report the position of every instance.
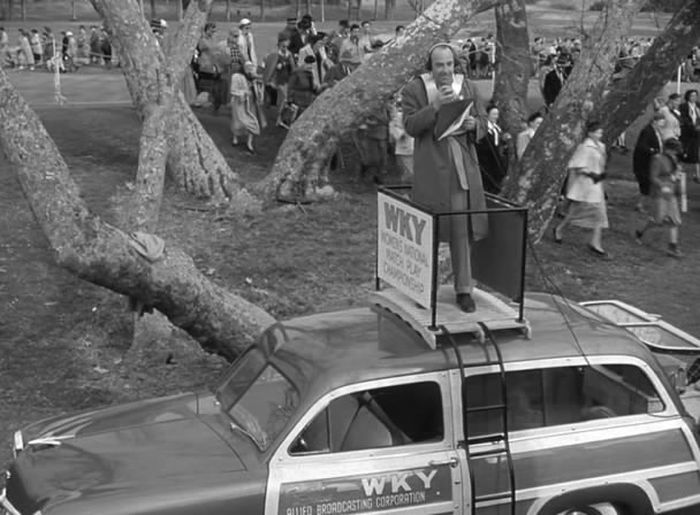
(554, 81)
(649, 143)
(446, 172)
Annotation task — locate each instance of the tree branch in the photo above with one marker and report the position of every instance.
(630, 97)
(513, 64)
(543, 165)
(98, 252)
(338, 111)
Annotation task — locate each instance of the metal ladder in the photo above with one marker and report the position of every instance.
(503, 447)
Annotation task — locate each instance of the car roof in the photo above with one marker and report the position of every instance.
(328, 350)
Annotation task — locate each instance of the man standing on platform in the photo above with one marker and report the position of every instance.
(446, 171)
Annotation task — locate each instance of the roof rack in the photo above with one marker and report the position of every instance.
(650, 329)
(407, 280)
(490, 310)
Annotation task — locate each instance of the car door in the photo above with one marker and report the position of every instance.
(578, 424)
(384, 446)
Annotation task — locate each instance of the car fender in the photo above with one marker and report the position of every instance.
(632, 497)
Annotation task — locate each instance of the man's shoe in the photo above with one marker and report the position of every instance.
(674, 252)
(638, 235)
(466, 303)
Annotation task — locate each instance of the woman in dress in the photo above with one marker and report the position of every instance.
(690, 126)
(246, 106)
(585, 191)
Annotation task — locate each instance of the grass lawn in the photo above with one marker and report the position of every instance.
(64, 342)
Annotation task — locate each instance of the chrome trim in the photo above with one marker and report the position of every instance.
(7, 504)
(18, 441)
(50, 441)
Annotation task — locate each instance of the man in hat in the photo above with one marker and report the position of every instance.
(290, 29)
(446, 171)
(246, 43)
(554, 80)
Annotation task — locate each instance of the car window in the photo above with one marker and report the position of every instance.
(375, 418)
(264, 409)
(554, 396)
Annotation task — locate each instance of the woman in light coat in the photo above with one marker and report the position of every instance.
(585, 190)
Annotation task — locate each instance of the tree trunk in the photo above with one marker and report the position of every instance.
(153, 9)
(308, 7)
(194, 161)
(180, 9)
(297, 9)
(513, 65)
(630, 97)
(23, 9)
(73, 15)
(262, 10)
(543, 165)
(338, 111)
(376, 9)
(98, 252)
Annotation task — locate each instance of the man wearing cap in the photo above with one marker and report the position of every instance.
(290, 31)
(446, 171)
(246, 43)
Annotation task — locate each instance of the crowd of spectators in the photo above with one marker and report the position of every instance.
(37, 49)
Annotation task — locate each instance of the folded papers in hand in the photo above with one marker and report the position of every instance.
(450, 118)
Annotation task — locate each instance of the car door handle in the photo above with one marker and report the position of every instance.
(452, 462)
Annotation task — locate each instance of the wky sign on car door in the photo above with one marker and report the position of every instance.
(368, 493)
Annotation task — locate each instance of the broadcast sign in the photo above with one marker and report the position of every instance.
(370, 493)
(405, 248)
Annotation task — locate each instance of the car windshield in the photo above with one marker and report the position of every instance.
(258, 398)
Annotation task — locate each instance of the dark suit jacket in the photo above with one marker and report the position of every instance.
(552, 87)
(647, 146)
(689, 134)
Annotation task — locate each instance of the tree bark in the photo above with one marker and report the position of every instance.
(73, 15)
(194, 161)
(543, 165)
(629, 98)
(337, 111)
(98, 252)
(513, 64)
(153, 9)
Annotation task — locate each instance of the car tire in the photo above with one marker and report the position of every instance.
(595, 509)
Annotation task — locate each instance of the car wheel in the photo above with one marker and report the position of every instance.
(594, 509)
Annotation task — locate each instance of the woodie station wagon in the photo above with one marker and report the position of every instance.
(540, 406)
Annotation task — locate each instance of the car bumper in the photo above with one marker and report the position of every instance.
(6, 507)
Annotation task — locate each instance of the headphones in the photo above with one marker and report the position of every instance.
(429, 64)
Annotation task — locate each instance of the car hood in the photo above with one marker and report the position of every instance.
(145, 412)
(160, 445)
